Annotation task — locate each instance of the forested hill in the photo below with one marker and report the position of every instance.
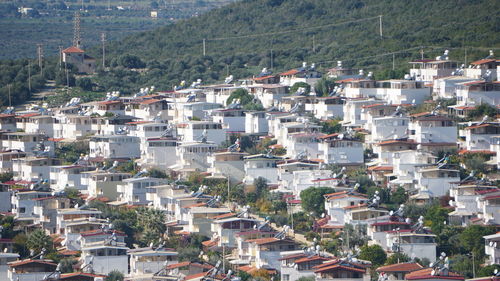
(239, 37)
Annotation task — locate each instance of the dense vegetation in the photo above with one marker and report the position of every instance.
(239, 39)
(51, 22)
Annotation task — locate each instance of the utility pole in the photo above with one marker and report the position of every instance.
(380, 23)
(67, 75)
(393, 61)
(29, 76)
(60, 57)
(103, 40)
(10, 97)
(465, 57)
(40, 57)
(314, 43)
(272, 59)
(204, 47)
(422, 53)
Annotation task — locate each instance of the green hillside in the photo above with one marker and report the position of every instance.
(240, 37)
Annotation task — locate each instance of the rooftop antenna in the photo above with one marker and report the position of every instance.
(77, 40)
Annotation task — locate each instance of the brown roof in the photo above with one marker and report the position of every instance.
(483, 61)
(426, 274)
(72, 49)
(263, 241)
(28, 261)
(400, 267)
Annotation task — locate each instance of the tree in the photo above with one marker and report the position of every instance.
(313, 199)
(373, 253)
(115, 275)
(436, 217)
(38, 240)
(131, 61)
(295, 87)
(7, 176)
(483, 110)
(472, 239)
(331, 126)
(84, 83)
(67, 265)
(488, 270)
(324, 86)
(242, 95)
(397, 258)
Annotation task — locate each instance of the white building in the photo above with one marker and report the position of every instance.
(114, 146)
(492, 248)
(339, 149)
(261, 165)
(479, 137)
(234, 119)
(430, 128)
(133, 190)
(256, 122)
(436, 181)
(192, 131)
(428, 69)
(193, 156)
(148, 261)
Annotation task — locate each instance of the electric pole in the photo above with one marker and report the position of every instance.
(103, 40)
(40, 57)
(380, 23)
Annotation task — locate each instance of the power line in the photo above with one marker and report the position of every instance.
(291, 30)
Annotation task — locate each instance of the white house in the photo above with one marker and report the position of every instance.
(192, 131)
(480, 136)
(261, 165)
(133, 190)
(430, 128)
(114, 146)
(341, 149)
(492, 248)
(148, 261)
(233, 118)
(428, 70)
(256, 122)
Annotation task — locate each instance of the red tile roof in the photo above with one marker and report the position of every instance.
(380, 168)
(426, 274)
(400, 267)
(263, 77)
(195, 276)
(223, 216)
(313, 258)
(29, 261)
(72, 49)
(74, 274)
(294, 256)
(150, 101)
(483, 61)
(177, 265)
(337, 267)
(263, 241)
(391, 142)
(290, 72)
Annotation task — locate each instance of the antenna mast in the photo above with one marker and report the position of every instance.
(77, 40)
